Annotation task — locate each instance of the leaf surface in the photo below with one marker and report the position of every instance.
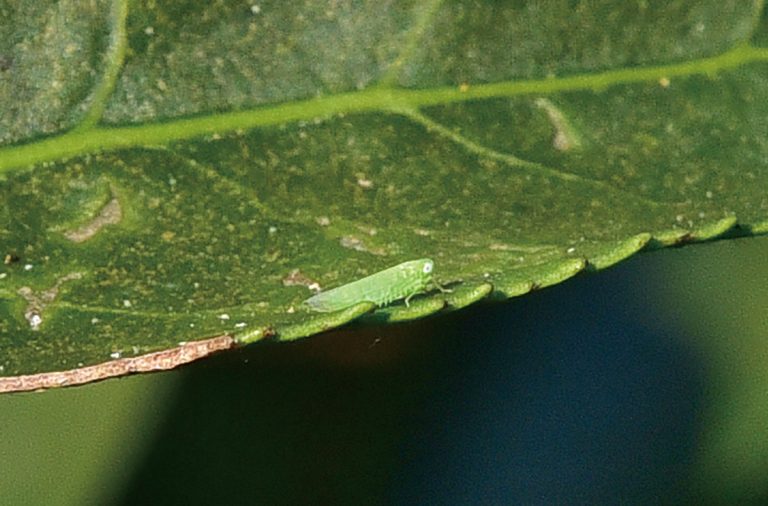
(178, 177)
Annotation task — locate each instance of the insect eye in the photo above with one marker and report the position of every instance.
(427, 268)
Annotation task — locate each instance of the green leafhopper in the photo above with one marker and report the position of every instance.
(401, 281)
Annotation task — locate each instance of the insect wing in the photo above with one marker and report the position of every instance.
(381, 288)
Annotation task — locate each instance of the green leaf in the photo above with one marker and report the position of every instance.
(176, 176)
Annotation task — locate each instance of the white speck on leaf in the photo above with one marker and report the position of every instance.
(35, 320)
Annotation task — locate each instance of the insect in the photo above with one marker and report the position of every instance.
(401, 281)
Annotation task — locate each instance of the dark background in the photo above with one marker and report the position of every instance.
(642, 384)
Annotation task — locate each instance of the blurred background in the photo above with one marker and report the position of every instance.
(643, 384)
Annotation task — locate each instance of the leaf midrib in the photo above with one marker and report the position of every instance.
(82, 141)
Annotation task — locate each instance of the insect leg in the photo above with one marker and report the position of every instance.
(441, 287)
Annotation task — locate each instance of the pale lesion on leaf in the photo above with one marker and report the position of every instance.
(297, 278)
(38, 302)
(85, 208)
(355, 243)
(110, 214)
(566, 136)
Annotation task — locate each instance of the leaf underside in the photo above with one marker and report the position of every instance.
(188, 173)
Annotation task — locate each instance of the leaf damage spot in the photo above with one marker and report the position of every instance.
(566, 137)
(296, 278)
(156, 361)
(363, 182)
(352, 242)
(110, 214)
(37, 302)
